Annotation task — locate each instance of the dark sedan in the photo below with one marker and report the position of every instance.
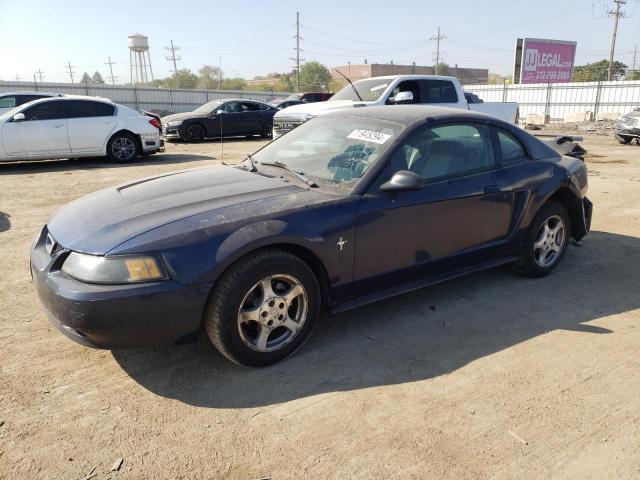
(347, 209)
(220, 118)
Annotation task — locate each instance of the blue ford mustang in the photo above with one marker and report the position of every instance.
(347, 209)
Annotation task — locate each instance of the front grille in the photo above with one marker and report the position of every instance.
(283, 126)
(56, 248)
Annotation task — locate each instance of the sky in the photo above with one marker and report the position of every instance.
(251, 38)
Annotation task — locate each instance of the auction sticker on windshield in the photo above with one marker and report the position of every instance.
(369, 136)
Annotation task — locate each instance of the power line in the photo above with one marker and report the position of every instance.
(110, 63)
(437, 39)
(617, 14)
(173, 59)
(69, 69)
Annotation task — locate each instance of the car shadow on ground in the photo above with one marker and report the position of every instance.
(61, 165)
(5, 223)
(416, 336)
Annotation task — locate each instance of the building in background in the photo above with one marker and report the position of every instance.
(368, 70)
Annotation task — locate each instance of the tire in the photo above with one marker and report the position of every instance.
(623, 139)
(257, 326)
(543, 249)
(194, 133)
(267, 129)
(122, 148)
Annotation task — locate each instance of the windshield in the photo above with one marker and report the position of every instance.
(370, 90)
(208, 107)
(335, 150)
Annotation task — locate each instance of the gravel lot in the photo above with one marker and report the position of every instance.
(488, 376)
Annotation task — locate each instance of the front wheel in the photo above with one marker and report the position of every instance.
(194, 133)
(122, 148)
(263, 308)
(546, 241)
(623, 139)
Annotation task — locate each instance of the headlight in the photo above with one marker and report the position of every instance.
(174, 124)
(96, 269)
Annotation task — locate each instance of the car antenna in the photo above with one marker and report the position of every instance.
(350, 83)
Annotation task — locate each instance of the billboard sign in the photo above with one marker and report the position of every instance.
(545, 61)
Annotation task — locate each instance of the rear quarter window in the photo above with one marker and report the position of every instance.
(439, 91)
(511, 149)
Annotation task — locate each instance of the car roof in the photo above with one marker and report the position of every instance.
(67, 98)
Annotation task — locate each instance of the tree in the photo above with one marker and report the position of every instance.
(85, 78)
(632, 75)
(209, 77)
(97, 78)
(594, 72)
(185, 78)
(314, 77)
(235, 83)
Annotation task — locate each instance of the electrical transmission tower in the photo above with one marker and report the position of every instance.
(617, 14)
(437, 39)
(69, 69)
(297, 58)
(173, 59)
(110, 63)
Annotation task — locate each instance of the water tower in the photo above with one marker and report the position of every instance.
(139, 59)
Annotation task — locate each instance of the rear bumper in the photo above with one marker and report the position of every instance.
(115, 316)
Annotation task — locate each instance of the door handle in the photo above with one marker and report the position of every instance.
(492, 189)
(57, 126)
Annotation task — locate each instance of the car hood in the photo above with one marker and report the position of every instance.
(306, 110)
(103, 220)
(182, 116)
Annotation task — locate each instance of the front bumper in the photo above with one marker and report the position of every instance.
(115, 316)
(171, 132)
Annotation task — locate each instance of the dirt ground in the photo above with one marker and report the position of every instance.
(488, 376)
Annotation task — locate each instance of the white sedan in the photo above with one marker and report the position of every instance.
(75, 126)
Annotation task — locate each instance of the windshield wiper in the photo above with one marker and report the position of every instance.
(253, 163)
(350, 83)
(300, 175)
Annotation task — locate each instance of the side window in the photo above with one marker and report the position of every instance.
(250, 107)
(7, 102)
(45, 111)
(232, 107)
(439, 91)
(512, 151)
(407, 86)
(447, 151)
(86, 109)
(22, 99)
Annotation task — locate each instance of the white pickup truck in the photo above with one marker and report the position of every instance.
(392, 90)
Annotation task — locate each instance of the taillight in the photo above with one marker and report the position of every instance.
(155, 123)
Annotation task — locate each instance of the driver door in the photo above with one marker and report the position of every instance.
(450, 223)
(42, 132)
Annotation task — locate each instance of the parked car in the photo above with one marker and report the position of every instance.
(347, 209)
(280, 104)
(393, 90)
(226, 118)
(628, 127)
(10, 100)
(310, 97)
(75, 126)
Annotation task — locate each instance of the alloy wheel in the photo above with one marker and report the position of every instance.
(272, 313)
(123, 148)
(549, 241)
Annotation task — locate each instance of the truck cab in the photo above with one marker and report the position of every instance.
(433, 90)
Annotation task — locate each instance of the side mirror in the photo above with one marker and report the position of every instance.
(402, 97)
(403, 180)
(19, 117)
(219, 112)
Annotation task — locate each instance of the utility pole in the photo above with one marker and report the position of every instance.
(635, 52)
(17, 78)
(69, 67)
(617, 14)
(40, 73)
(110, 63)
(220, 72)
(437, 39)
(297, 59)
(172, 58)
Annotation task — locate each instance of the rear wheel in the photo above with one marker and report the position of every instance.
(194, 133)
(122, 148)
(546, 241)
(263, 308)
